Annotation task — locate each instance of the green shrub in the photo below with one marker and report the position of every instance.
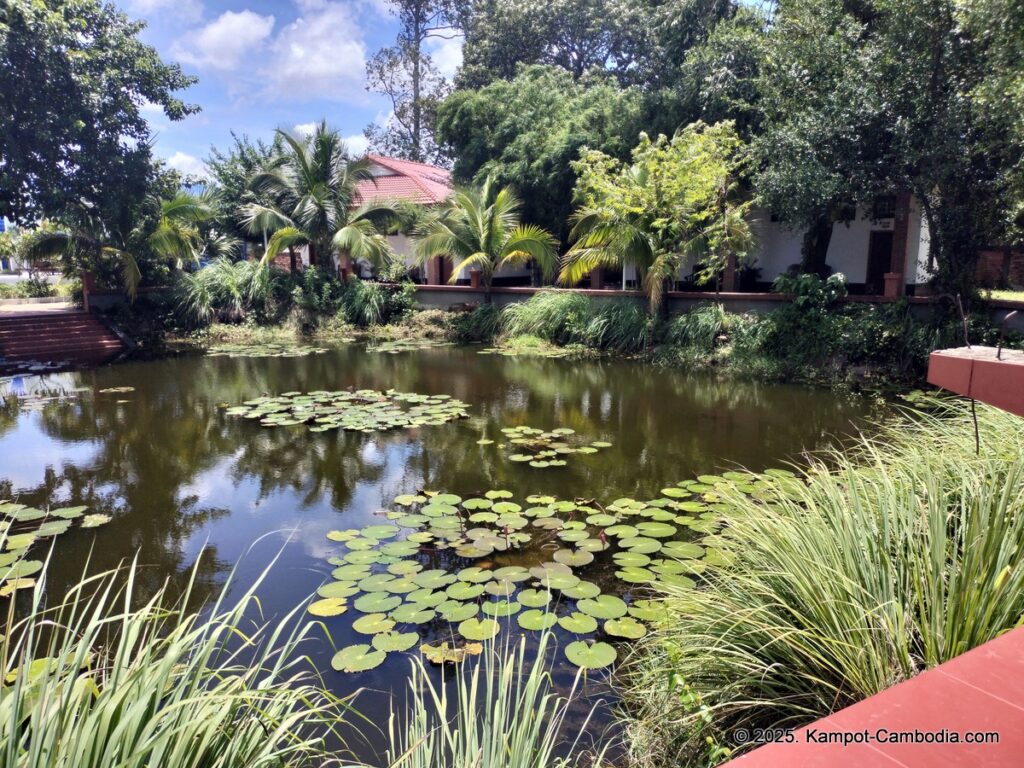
(699, 329)
(479, 325)
(557, 316)
(230, 292)
(33, 288)
(619, 325)
(884, 560)
(366, 303)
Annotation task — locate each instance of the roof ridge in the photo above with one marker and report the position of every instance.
(419, 182)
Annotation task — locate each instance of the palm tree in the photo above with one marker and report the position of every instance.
(312, 184)
(173, 234)
(479, 228)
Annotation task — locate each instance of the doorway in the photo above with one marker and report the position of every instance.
(879, 262)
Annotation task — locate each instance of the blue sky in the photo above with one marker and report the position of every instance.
(264, 64)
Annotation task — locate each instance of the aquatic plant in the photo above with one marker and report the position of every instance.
(264, 350)
(502, 713)
(91, 682)
(406, 345)
(389, 572)
(541, 450)
(884, 560)
(552, 315)
(363, 410)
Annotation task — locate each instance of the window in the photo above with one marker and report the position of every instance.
(884, 208)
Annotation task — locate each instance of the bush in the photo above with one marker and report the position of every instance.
(557, 316)
(616, 326)
(479, 325)
(33, 288)
(882, 561)
(366, 304)
(231, 292)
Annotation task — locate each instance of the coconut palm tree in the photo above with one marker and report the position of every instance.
(312, 184)
(479, 228)
(172, 231)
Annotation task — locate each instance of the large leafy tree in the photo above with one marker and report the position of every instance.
(527, 132)
(230, 172)
(865, 98)
(480, 228)
(678, 199)
(576, 35)
(311, 185)
(74, 75)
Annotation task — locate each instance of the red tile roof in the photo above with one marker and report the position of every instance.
(405, 180)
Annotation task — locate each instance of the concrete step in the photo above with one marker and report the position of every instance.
(48, 336)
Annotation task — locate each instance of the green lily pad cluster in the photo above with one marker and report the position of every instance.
(21, 527)
(452, 567)
(542, 450)
(406, 345)
(363, 410)
(265, 350)
(554, 352)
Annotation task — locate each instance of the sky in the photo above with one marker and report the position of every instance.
(266, 64)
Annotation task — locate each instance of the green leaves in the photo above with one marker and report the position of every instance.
(357, 658)
(479, 629)
(587, 656)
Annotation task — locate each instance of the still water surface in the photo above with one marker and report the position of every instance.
(181, 479)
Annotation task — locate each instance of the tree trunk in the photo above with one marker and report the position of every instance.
(293, 260)
(814, 251)
(312, 254)
(417, 108)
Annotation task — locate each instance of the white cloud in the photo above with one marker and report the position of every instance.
(304, 129)
(225, 42)
(447, 54)
(187, 164)
(357, 144)
(319, 55)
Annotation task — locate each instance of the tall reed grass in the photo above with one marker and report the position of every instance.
(891, 558)
(96, 682)
(501, 713)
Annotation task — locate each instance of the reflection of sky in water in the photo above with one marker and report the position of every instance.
(179, 476)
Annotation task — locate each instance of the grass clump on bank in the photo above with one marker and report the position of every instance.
(95, 681)
(889, 559)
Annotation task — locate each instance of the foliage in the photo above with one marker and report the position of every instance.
(365, 303)
(480, 324)
(479, 228)
(93, 681)
(311, 185)
(33, 288)
(883, 561)
(164, 231)
(230, 291)
(230, 173)
(875, 98)
(503, 713)
(75, 75)
(679, 200)
(551, 315)
(528, 130)
(578, 36)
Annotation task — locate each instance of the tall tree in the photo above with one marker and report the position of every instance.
(874, 97)
(406, 74)
(230, 174)
(527, 131)
(74, 75)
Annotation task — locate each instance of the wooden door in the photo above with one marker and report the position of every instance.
(879, 262)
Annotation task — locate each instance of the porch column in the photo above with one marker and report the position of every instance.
(729, 275)
(88, 286)
(434, 271)
(597, 278)
(895, 278)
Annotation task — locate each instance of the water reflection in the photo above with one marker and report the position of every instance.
(179, 477)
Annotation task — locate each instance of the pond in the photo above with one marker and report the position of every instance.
(179, 475)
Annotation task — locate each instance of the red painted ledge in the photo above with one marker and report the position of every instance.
(981, 373)
(977, 693)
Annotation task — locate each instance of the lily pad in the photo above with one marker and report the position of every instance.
(603, 607)
(479, 629)
(395, 641)
(328, 606)
(373, 624)
(587, 656)
(536, 619)
(625, 627)
(376, 602)
(446, 654)
(578, 623)
(357, 658)
(534, 598)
